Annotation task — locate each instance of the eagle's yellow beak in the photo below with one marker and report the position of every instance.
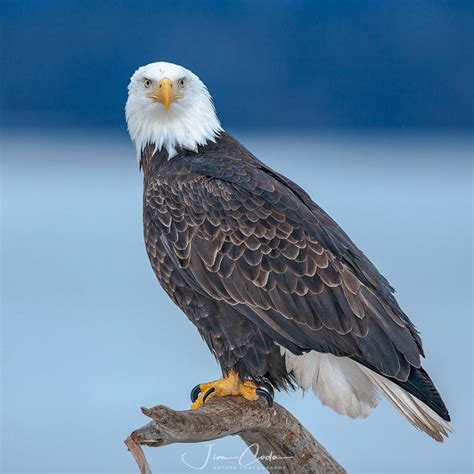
(164, 92)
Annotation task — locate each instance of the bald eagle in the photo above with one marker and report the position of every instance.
(278, 291)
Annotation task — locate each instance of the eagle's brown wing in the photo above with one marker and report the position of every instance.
(246, 236)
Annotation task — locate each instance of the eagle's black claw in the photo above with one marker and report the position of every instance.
(195, 393)
(211, 390)
(266, 394)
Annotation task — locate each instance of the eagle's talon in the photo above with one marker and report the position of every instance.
(195, 393)
(206, 395)
(266, 394)
(230, 384)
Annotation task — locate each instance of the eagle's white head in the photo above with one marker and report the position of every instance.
(170, 107)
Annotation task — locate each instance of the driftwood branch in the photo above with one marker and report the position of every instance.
(274, 435)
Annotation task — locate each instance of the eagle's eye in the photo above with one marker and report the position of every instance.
(147, 83)
(181, 82)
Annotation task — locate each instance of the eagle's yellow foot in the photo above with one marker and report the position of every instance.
(229, 384)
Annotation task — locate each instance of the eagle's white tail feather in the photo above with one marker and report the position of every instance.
(415, 411)
(351, 389)
(338, 382)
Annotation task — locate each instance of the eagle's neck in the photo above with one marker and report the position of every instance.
(151, 158)
(179, 128)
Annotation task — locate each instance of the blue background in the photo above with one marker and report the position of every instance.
(368, 105)
(283, 63)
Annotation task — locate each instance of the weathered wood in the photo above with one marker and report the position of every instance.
(274, 435)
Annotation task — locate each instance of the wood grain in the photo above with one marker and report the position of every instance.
(274, 435)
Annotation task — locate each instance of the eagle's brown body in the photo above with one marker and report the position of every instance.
(255, 264)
